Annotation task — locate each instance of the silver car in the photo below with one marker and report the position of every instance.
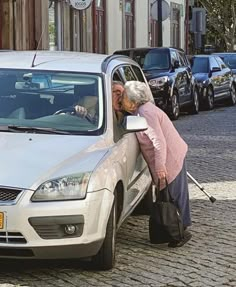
(67, 182)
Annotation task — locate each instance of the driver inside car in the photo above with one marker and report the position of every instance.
(87, 108)
(85, 104)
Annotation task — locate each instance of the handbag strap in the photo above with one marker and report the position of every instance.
(164, 194)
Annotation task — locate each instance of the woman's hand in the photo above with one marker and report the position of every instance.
(162, 179)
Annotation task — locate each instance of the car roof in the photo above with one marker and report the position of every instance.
(148, 49)
(58, 61)
(203, 56)
(224, 53)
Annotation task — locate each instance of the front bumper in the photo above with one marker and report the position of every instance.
(37, 230)
(161, 96)
(202, 92)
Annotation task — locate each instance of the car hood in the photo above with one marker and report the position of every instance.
(28, 160)
(151, 74)
(200, 77)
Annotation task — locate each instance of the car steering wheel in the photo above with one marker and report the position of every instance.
(72, 111)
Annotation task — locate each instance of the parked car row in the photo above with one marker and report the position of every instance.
(179, 83)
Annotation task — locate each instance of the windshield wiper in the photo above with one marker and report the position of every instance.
(13, 128)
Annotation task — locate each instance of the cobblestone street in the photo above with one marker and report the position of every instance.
(209, 259)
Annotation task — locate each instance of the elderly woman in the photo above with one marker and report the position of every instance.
(162, 147)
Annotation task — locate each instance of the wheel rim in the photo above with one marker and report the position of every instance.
(233, 95)
(196, 101)
(210, 98)
(175, 106)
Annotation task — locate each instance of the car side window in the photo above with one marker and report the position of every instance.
(127, 73)
(181, 60)
(139, 57)
(213, 63)
(117, 77)
(221, 63)
(173, 57)
(118, 130)
(138, 73)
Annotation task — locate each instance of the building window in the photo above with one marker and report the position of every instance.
(129, 24)
(99, 34)
(175, 26)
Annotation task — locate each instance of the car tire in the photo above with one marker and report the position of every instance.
(105, 258)
(232, 100)
(174, 106)
(194, 109)
(209, 105)
(145, 205)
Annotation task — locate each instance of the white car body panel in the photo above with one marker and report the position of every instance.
(29, 159)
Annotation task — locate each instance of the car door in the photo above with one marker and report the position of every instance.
(137, 170)
(226, 77)
(215, 75)
(186, 76)
(177, 75)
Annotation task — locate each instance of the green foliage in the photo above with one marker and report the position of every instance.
(52, 31)
(221, 21)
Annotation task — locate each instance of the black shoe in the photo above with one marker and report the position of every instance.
(175, 243)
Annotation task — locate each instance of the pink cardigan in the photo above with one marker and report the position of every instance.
(161, 145)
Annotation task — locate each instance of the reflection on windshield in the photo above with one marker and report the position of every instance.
(57, 100)
(200, 65)
(154, 59)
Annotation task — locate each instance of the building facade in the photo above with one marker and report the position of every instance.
(105, 26)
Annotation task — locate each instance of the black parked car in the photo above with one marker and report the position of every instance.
(215, 80)
(170, 78)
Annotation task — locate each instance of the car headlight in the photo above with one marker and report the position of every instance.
(158, 82)
(64, 188)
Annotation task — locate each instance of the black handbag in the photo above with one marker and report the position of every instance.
(165, 222)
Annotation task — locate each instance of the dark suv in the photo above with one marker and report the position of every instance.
(170, 78)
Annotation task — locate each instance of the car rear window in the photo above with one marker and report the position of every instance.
(156, 59)
(230, 60)
(200, 65)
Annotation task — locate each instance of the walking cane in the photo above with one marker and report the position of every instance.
(212, 199)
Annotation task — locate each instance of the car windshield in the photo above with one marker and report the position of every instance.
(152, 59)
(200, 65)
(230, 60)
(45, 100)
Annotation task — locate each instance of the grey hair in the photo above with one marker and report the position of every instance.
(137, 92)
(118, 83)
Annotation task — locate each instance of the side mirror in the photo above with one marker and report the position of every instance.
(134, 124)
(215, 69)
(176, 64)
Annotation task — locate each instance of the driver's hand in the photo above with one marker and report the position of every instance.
(81, 111)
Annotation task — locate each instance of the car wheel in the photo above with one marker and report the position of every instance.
(174, 106)
(105, 258)
(145, 205)
(195, 104)
(210, 99)
(232, 100)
